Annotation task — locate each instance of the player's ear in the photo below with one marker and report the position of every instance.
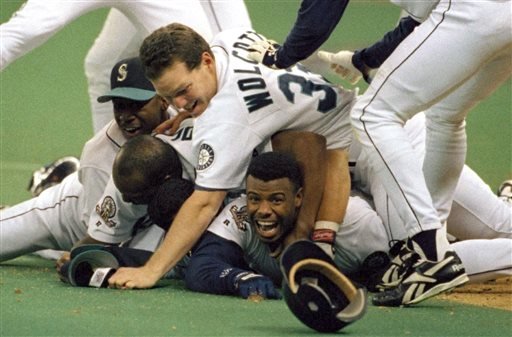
(299, 196)
(163, 103)
(207, 59)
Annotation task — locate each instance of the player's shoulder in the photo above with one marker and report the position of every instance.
(104, 144)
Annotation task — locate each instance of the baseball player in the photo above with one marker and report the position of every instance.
(58, 218)
(233, 257)
(467, 69)
(238, 105)
(127, 23)
(361, 221)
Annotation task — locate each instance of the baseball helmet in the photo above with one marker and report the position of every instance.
(92, 265)
(315, 290)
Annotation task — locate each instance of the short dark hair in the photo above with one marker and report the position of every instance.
(168, 200)
(169, 44)
(150, 157)
(275, 165)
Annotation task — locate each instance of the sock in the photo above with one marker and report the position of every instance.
(431, 244)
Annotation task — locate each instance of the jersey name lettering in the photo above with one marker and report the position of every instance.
(254, 80)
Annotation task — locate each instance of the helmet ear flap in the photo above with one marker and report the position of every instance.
(316, 292)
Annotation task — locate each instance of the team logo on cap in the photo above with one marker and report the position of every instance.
(106, 211)
(122, 72)
(206, 157)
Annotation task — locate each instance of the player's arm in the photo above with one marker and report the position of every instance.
(309, 150)
(352, 65)
(372, 57)
(217, 266)
(316, 19)
(334, 199)
(191, 221)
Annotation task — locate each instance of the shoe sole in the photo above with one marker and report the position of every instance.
(440, 288)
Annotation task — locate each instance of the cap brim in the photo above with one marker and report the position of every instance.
(128, 93)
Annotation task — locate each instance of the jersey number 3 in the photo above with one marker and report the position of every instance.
(308, 88)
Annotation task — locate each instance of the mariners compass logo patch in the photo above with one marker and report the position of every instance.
(206, 156)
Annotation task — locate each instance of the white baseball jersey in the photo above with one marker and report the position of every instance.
(115, 220)
(361, 234)
(253, 102)
(419, 10)
(441, 68)
(58, 217)
(127, 24)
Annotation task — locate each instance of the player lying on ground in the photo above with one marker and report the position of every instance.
(136, 182)
(205, 81)
(228, 250)
(61, 215)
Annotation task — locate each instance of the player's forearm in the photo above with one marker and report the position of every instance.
(337, 188)
(214, 265)
(191, 221)
(309, 150)
(373, 56)
(315, 22)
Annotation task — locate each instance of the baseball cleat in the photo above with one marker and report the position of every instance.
(402, 258)
(52, 174)
(505, 191)
(424, 279)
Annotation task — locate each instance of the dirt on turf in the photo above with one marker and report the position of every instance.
(494, 294)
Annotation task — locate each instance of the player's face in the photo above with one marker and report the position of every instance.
(272, 207)
(139, 118)
(189, 90)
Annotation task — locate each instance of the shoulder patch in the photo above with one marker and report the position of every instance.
(206, 157)
(107, 211)
(240, 216)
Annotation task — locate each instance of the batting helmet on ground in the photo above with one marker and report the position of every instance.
(92, 265)
(316, 292)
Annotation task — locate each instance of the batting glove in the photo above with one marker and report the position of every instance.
(248, 283)
(341, 63)
(264, 52)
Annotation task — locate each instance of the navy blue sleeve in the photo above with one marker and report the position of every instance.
(315, 22)
(373, 56)
(214, 265)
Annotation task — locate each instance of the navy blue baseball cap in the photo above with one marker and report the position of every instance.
(127, 80)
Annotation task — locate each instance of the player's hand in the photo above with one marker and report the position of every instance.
(170, 126)
(248, 284)
(341, 64)
(130, 278)
(264, 52)
(65, 257)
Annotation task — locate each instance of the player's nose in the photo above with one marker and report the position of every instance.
(264, 208)
(180, 103)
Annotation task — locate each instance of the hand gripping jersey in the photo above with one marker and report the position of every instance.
(254, 102)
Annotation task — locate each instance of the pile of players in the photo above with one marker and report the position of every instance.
(234, 167)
